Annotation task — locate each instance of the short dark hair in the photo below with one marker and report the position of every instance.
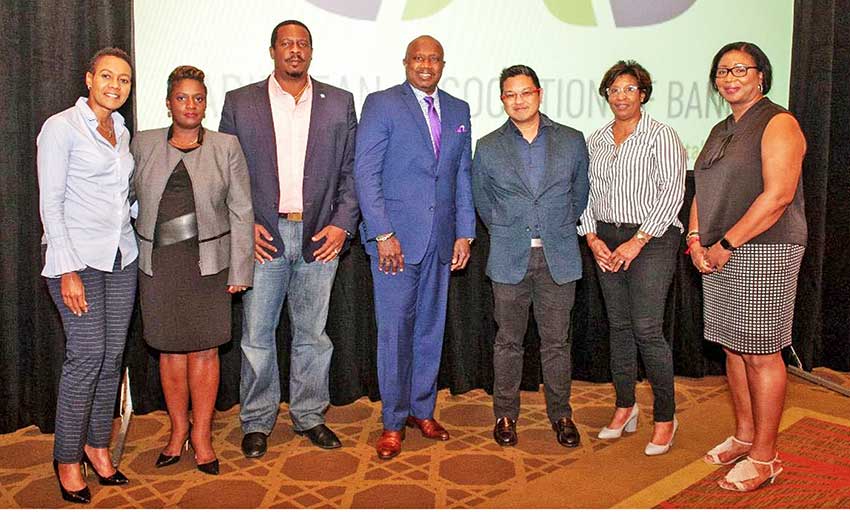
(110, 51)
(762, 63)
(291, 22)
(627, 67)
(185, 73)
(517, 70)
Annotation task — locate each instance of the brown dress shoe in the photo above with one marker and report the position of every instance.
(389, 444)
(566, 432)
(505, 431)
(429, 427)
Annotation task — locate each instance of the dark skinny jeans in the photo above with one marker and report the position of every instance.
(635, 301)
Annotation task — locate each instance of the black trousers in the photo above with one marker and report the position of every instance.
(635, 300)
(552, 304)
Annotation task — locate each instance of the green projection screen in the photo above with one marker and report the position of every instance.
(359, 45)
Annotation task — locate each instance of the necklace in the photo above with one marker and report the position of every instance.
(298, 96)
(107, 131)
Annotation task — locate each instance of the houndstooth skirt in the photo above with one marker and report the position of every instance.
(748, 307)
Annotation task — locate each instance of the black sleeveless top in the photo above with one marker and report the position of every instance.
(728, 176)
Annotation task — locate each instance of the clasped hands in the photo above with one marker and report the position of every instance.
(391, 257)
(619, 258)
(709, 259)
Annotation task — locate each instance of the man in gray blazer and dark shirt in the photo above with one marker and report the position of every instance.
(530, 186)
(298, 138)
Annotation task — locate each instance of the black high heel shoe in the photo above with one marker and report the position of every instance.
(116, 478)
(210, 468)
(81, 496)
(167, 460)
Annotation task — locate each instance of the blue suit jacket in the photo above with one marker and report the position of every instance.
(328, 186)
(400, 184)
(511, 209)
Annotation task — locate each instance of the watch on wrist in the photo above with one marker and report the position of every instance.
(470, 240)
(642, 237)
(385, 236)
(727, 245)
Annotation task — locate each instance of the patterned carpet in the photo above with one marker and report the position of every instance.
(468, 471)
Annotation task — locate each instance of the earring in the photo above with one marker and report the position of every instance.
(169, 113)
(760, 87)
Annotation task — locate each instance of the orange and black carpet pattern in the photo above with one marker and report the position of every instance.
(468, 471)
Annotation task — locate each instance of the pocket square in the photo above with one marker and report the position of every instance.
(461, 129)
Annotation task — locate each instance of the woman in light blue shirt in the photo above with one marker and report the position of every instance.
(90, 252)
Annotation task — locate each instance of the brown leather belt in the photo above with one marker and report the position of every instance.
(293, 216)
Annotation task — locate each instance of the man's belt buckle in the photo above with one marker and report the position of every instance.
(293, 216)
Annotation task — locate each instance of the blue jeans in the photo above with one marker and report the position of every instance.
(308, 288)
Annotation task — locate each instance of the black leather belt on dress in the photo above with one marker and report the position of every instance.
(176, 230)
(293, 216)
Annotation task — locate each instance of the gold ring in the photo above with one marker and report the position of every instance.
(336, 251)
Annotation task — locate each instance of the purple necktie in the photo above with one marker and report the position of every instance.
(434, 121)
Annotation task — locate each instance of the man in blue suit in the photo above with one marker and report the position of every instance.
(298, 138)
(413, 184)
(530, 185)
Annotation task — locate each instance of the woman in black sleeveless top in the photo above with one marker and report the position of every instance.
(747, 235)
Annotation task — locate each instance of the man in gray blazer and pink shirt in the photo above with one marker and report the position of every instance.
(298, 138)
(530, 185)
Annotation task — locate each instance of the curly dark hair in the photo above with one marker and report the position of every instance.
(627, 67)
(185, 73)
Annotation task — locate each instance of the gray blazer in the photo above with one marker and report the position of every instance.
(511, 209)
(222, 193)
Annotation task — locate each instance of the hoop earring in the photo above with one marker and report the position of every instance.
(760, 88)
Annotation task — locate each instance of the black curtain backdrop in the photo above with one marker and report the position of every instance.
(45, 48)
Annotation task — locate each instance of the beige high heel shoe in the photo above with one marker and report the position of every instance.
(660, 449)
(745, 477)
(713, 455)
(629, 426)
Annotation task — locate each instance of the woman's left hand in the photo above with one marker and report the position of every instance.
(623, 255)
(717, 257)
(235, 288)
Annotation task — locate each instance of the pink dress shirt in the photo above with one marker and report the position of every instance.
(291, 126)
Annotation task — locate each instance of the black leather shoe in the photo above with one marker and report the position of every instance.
(505, 431)
(566, 432)
(321, 436)
(254, 444)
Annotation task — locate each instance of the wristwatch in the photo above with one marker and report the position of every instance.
(642, 237)
(385, 236)
(727, 245)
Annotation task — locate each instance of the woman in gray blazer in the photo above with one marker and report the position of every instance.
(196, 245)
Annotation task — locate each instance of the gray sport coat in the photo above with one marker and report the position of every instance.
(222, 192)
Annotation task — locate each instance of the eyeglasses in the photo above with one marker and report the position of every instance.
(629, 90)
(300, 43)
(738, 70)
(433, 59)
(523, 95)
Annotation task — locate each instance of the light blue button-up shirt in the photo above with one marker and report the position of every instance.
(84, 183)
